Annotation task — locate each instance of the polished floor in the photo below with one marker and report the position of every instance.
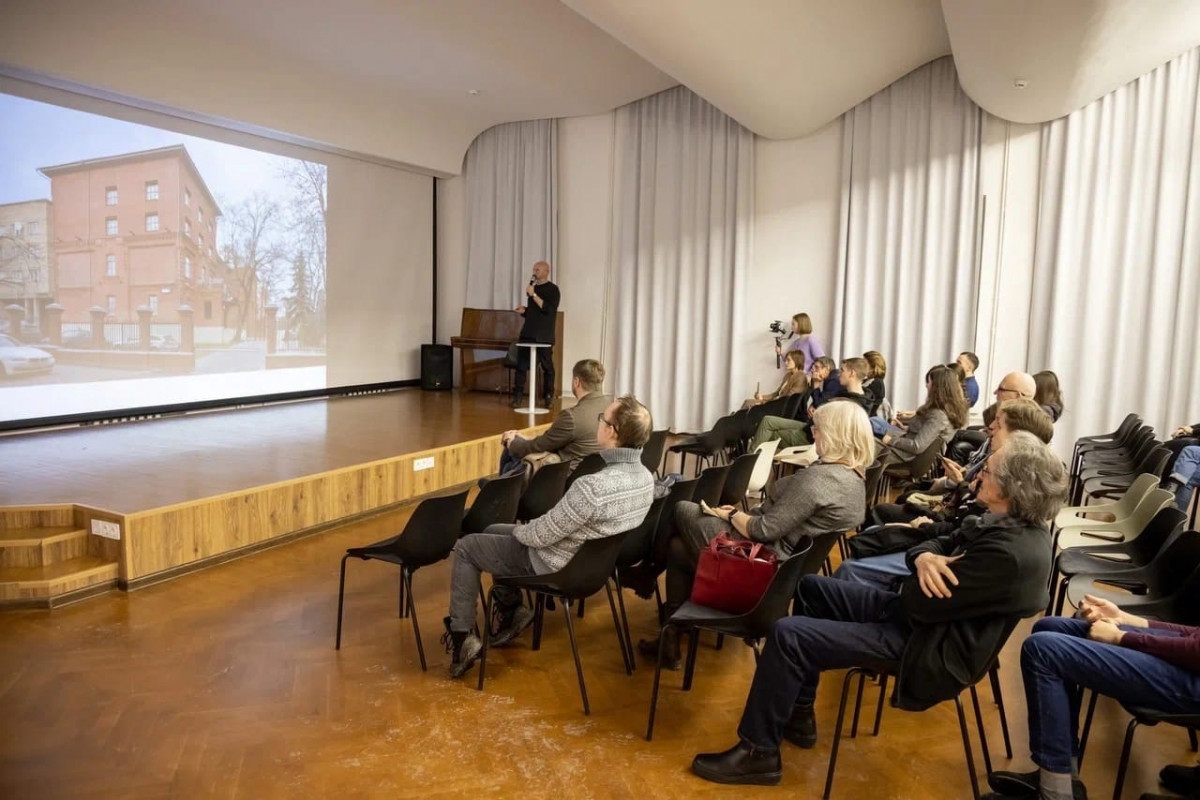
(225, 684)
(142, 465)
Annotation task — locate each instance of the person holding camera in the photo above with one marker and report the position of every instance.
(802, 339)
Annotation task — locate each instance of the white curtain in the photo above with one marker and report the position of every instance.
(683, 206)
(512, 210)
(908, 274)
(1117, 264)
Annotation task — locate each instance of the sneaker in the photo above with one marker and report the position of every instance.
(512, 624)
(1180, 779)
(465, 649)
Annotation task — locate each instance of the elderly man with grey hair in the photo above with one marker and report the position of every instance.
(942, 627)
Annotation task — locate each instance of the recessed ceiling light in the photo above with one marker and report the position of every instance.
(473, 92)
(1020, 83)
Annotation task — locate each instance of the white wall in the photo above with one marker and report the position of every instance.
(451, 261)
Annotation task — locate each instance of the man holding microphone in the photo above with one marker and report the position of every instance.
(540, 313)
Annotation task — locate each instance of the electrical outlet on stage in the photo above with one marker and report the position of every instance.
(109, 530)
(422, 463)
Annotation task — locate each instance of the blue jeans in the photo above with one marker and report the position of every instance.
(883, 572)
(1187, 473)
(1058, 661)
(844, 625)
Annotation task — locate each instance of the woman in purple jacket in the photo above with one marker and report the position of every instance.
(803, 341)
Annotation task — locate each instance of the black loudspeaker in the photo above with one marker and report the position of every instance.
(437, 366)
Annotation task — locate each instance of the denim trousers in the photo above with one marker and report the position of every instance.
(1187, 473)
(885, 572)
(1058, 661)
(842, 625)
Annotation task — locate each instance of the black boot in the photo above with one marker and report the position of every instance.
(671, 659)
(641, 578)
(464, 648)
(801, 729)
(742, 763)
(1180, 779)
(1027, 784)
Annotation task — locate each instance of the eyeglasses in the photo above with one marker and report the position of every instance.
(1003, 388)
(600, 418)
(986, 470)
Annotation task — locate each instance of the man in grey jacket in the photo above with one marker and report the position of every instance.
(573, 434)
(605, 503)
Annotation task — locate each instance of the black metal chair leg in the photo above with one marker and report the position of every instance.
(1087, 727)
(337, 645)
(566, 604)
(862, 679)
(657, 681)
(983, 742)
(720, 641)
(837, 733)
(626, 658)
(690, 668)
(403, 608)
(406, 576)
(998, 696)
(883, 682)
(1124, 763)
(539, 621)
(580, 601)
(1192, 738)
(966, 737)
(624, 621)
(483, 653)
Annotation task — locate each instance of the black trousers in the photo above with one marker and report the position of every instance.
(545, 363)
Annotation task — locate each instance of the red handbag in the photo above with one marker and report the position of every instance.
(733, 574)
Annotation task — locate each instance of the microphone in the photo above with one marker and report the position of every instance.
(532, 280)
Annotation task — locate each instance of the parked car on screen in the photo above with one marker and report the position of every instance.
(19, 359)
(163, 342)
(77, 340)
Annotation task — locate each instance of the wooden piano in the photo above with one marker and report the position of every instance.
(483, 340)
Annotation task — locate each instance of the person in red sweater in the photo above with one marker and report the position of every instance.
(1135, 661)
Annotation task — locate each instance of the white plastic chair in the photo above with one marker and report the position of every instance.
(1142, 486)
(762, 467)
(1090, 534)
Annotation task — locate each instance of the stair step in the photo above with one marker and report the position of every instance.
(38, 547)
(42, 585)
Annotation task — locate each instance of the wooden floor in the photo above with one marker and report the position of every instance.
(136, 466)
(224, 683)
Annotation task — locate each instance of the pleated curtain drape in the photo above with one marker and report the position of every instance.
(511, 178)
(908, 276)
(683, 206)
(1117, 265)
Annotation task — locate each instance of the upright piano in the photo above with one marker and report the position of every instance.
(483, 341)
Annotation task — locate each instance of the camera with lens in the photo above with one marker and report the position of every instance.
(777, 328)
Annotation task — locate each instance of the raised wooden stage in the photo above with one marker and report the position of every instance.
(190, 491)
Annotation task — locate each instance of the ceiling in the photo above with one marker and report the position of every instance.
(395, 79)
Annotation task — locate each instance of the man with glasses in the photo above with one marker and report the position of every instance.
(1016, 385)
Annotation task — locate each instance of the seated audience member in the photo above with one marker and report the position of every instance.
(905, 522)
(794, 432)
(1048, 394)
(1137, 662)
(1183, 436)
(795, 380)
(605, 503)
(851, 375)
(961, 374)
(1184, 477)
(874, 384)
(805, 341)
(827, 496)
(969, 363)
(573, 434)
(944, 412)
(941, 628)
(1014, 385)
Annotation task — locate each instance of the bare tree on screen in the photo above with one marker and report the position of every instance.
(253, 256)
(307, 213)
(22, 270)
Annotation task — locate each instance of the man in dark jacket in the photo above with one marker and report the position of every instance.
(942, 628)
(573, 434)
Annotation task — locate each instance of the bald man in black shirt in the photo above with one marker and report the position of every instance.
(540, 314)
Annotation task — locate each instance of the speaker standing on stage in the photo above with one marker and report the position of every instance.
(541, 313)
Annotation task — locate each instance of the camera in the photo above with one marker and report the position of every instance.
(777, 327)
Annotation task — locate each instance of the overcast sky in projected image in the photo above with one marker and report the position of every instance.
(35, 135)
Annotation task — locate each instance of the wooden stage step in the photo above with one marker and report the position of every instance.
(41, 547)
(56, 584)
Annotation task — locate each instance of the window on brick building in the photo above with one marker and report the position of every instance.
(110, 196)
(151, 190)
(110, 265)
(110, 226)
(151, 223)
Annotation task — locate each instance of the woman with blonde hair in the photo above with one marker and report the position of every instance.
(827, 496)
(804, 340)
(795, 381)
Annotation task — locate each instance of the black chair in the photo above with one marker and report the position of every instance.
(906, 473)
(709, 445)
(737, 480)
(884, 672)
(584, 575)
(427, 538)
(495, 504)
(657, 554)
(1113, 486)
(709, 485)
(1116, 558)
(590, 465)
(1157, 580)
(545, 489)
(751, 626)
(635, 550)
(653, 450)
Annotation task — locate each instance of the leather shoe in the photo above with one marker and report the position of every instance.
(741, 763)
(801, 729)
(1027, 785)
(1180, 779)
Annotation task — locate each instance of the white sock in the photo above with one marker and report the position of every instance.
(1055, 785)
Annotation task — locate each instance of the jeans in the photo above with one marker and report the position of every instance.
(1187, 474)
(495, 551)
(884, 572)
(844, 625)
(880, 426)
(1058, 661)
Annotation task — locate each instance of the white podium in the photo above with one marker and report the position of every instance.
(533, 406)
